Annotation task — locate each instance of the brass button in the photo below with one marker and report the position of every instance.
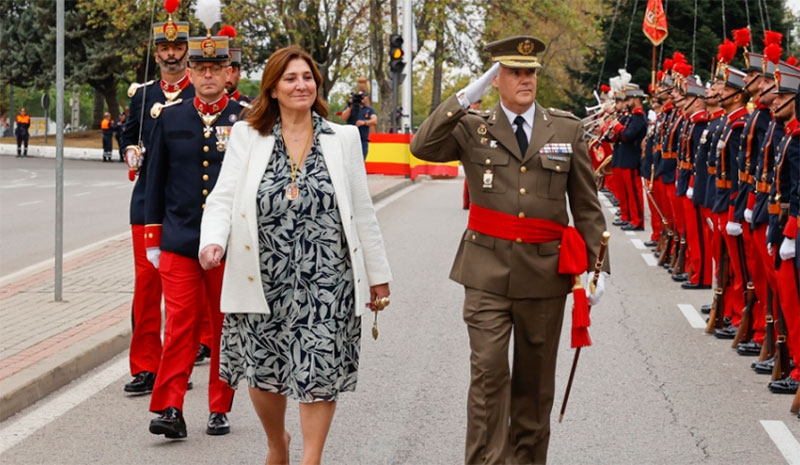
(246, 247)
(488, 161)
(521, 215)
(205, 162)
(205, 191)
(205, 177)
(205, 149)
(203, 206)
(250, 278)
(207, 134)
(149, 235)
(522, 191)
(243, 215)
(449, 114)
(558, 167)
(519, 240)
(522, 169)
(474, 237)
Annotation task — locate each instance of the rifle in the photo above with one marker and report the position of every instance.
(715, 317)
(598, 267)
(666, 235)
(745, 330)
(781, 368)
(680, 262)
(796, 403)
(768, 348)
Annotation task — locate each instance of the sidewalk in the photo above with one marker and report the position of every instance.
(44, 344)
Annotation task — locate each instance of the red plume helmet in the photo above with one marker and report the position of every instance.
(684, 69)
(773, 53)
(227, 31)
(171, 5)
(772, 37)
(604, 88)
(668, 63)
(726, 51)
(792, 61)
(678, 57)
(660, 76)
(742, 37)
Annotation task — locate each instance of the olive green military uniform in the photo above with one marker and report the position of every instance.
(511, 285)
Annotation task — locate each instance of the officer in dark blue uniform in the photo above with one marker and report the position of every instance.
(187, 148)
(628, 136)
(171, 55)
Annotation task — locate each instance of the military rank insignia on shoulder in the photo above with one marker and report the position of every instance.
(562, 113)
(158, 107)
(135, 86)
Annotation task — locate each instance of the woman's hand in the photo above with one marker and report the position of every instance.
(211, 256)
(377, 292)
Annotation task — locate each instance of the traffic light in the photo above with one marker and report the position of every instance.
(396, 63)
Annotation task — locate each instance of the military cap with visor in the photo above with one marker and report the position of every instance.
(516, 52)
(171, 31)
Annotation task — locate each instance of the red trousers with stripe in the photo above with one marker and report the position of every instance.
(655, 218)
(632, 184)
(183, 281)
(758, 277)
(734, 291)
(786, 275)
(698, 250)
(145, 349)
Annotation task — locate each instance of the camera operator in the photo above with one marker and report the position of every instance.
(360, 114)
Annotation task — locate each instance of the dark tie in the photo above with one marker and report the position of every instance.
(522, 139)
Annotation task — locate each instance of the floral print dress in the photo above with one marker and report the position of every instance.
(307, 349)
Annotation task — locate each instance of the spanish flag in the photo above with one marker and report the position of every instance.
(655, 22)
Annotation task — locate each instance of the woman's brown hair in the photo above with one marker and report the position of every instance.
(264, 111)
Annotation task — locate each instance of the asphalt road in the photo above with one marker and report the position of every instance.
(652, 389)
(95, 202)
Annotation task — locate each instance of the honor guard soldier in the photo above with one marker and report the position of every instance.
(784, 210)
(628, 136)
(231, 86)
(171, 55)
(188, 146)
(733, 99)
(528, 169)
(699, 274)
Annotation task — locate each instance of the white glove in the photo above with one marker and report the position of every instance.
(787, 250)
(733, 228)
(769, 248)
(153, 255)
(599, 289)
(690, 193)
(748, 215)
(475, 90)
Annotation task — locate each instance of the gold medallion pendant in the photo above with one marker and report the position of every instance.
(292, 192)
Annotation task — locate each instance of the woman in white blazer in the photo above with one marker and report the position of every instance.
(292, 220)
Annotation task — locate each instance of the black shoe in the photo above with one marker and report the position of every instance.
(170, 423)
(749, 348)
(764, 367)
(680, 277)
(619, 223)
(705, 309)
(142, 383)
(632, 227)
(651, 243)
(189, 385)
(787, 385)
(728, 332)
(203, 353)
(689, 285)
(615, 202)
(218, 424)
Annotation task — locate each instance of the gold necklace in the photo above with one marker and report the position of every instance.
(292, 192)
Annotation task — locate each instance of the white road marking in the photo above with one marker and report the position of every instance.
(25, 204)
(386, 201)
(82, 194)
(650, 259)
(783, 438)
(630, 233)
(695, 320)
(22, 426)
(612, 210)
(639, 244)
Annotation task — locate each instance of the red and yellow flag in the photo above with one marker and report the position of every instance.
(655, 22)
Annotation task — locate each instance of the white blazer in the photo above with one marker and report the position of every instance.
(230, 218)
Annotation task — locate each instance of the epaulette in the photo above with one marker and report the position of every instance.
(135, 86)
(481, 113)
(158, 107)
(562, 113)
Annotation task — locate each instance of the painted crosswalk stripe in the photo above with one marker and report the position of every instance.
(784, 439)
(650, 259)
(691, 315)
(639, 244)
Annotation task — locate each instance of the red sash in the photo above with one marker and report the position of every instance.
(573, 259)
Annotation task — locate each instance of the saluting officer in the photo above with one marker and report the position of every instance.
(517, 258)
(171, 54)
(188, 145)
